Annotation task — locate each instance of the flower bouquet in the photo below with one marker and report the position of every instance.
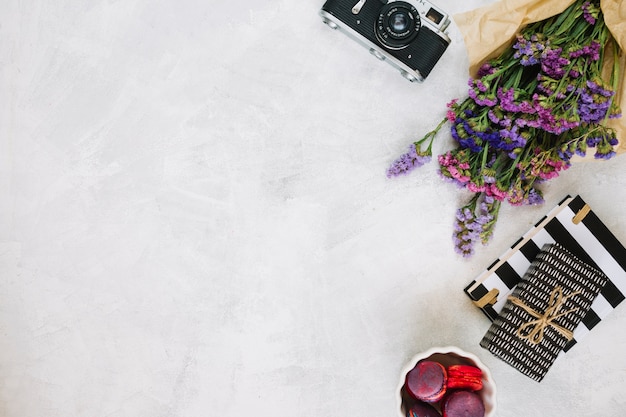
(546, 97)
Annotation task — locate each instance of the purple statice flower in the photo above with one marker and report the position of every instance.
(526, 108)
(523, 122)
(479, 93)
(545, 118)
(463, 132)
(470, 138)
(472, 133)
(606, 154)
(482, 99)
(549, 121)
(506, 121)
(596, 88)
(507, 98)
(551, 88)
(605, 146)
(474, 223)
(466, 232)
(589, 13)
(408, 162)
(581, 148)
(545, 87)
(478, 84)
(593, 141)
(511, 139)
(566, 152)
(419, 153)
(590, 111)
(594, 102)
(591, 51)
(534, 197)
(553, 64)
(466, 137)
(488, 212)
(490, 136)
(495, 116)
(485, 69)
(576, 146)
(528, 51)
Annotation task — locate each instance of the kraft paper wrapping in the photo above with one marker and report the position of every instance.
(489, 30)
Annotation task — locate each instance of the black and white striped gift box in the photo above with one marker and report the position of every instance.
(548, 303)
(575, 226)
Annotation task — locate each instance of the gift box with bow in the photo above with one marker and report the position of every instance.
(539, 317)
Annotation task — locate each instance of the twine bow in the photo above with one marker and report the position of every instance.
(534, 329)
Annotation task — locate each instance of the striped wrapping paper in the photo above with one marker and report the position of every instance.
(577, 228)
(548, 303)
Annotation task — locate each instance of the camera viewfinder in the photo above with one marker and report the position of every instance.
(434, 15)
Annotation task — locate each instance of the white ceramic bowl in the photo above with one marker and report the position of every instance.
(447, 356)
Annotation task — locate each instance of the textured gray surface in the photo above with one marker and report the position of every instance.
(196, 220)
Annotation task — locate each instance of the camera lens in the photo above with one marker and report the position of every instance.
(398, 24)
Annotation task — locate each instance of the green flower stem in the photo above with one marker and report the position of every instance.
(430, 136)
(615, 76)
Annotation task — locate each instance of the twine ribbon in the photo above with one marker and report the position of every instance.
(533, 330)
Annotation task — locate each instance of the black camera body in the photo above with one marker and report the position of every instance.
(408, 34)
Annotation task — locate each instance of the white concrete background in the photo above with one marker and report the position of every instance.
(195, 220)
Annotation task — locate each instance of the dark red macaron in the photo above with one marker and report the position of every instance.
(421, 409)
(427, 381)
(463, 404)
(465, 377)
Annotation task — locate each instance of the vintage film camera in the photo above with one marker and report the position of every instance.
(410, 35)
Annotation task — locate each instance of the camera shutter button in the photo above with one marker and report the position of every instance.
(377, 54)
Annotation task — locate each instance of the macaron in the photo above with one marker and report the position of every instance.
(421, 409)
(463, 404)
(464, 377)
(427, 381)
